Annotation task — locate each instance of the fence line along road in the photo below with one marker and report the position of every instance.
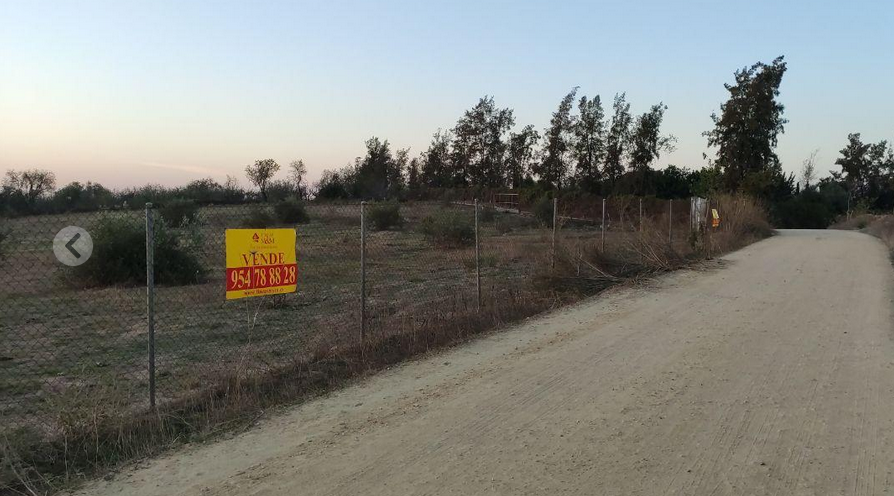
(145, 321)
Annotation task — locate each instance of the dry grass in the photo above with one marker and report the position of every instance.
(857, 222)
(274, 353)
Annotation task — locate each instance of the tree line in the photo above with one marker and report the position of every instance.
(585, 149)
(582, 148)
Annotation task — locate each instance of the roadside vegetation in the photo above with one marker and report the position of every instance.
(420, 295)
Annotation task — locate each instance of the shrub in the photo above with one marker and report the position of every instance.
(385, 216)
(487, 213)
(449, 229)
(258, 218)
(179, 213)
(543, 210)
(512, 222)
(291, 212)
(119, 256)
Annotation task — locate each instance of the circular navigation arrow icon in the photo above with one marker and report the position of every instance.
(73, 246)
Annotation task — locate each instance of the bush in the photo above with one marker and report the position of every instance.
(543, 210)
(258, 218)
(449, 229)
(511, 222)
(119, 256)
(487, 213)
(385, 216)
(179, 213)
(291, 212)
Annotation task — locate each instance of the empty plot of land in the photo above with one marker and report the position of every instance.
(772, 374)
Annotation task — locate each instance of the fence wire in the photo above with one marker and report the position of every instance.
(74, 340)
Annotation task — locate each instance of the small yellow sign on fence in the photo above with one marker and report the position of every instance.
(260, 262)
(715, 218)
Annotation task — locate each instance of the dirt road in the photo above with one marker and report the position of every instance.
(771, 375)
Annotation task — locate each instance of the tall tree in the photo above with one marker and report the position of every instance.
(376, 174)
(297, 172)
(618, 138)
(647, 144)
(589, 141)
(554, 167)
(520, 155)
(854, 163)
(398, 170)
(414, 174)
(260, 173)
(750, 121)
(437, 168)
(479, 142)
(808, 170)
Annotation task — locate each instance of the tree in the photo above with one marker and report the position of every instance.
(618, 137)
(232, 192)
(437, 168)
(297, 171)
(260, 174)
(589, 141)
(479, 143)
(746, 132)
(646, 144)
(377, 173)
(808, 170)
(520, 155)
(553, 168)
(854, 163)
(31, 184)
(398, 171)
(414, 174)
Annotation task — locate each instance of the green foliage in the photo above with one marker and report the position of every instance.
(554, 168)
(385, 216)
(543, 210)
(258, 218)
(76, 197)
(806, 211)
(179, 212)
(750, 121)
(119, 256)
(291, 211)
(449, 229)
(511, 222)
(261, 173)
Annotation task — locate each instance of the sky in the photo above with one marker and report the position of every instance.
(132, 92)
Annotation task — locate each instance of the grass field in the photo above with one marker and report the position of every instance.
(73, 354)
(64, 345)
(66, 348)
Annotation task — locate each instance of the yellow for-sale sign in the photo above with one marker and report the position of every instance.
(260, 262)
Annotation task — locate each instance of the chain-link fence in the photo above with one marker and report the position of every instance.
(81, 340)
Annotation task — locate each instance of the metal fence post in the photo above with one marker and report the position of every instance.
(642, 241)
(555, 224)
(708, 227)
(362, 273)
(477, 259)
(603, 225)
(150, 299)
(670, 221)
